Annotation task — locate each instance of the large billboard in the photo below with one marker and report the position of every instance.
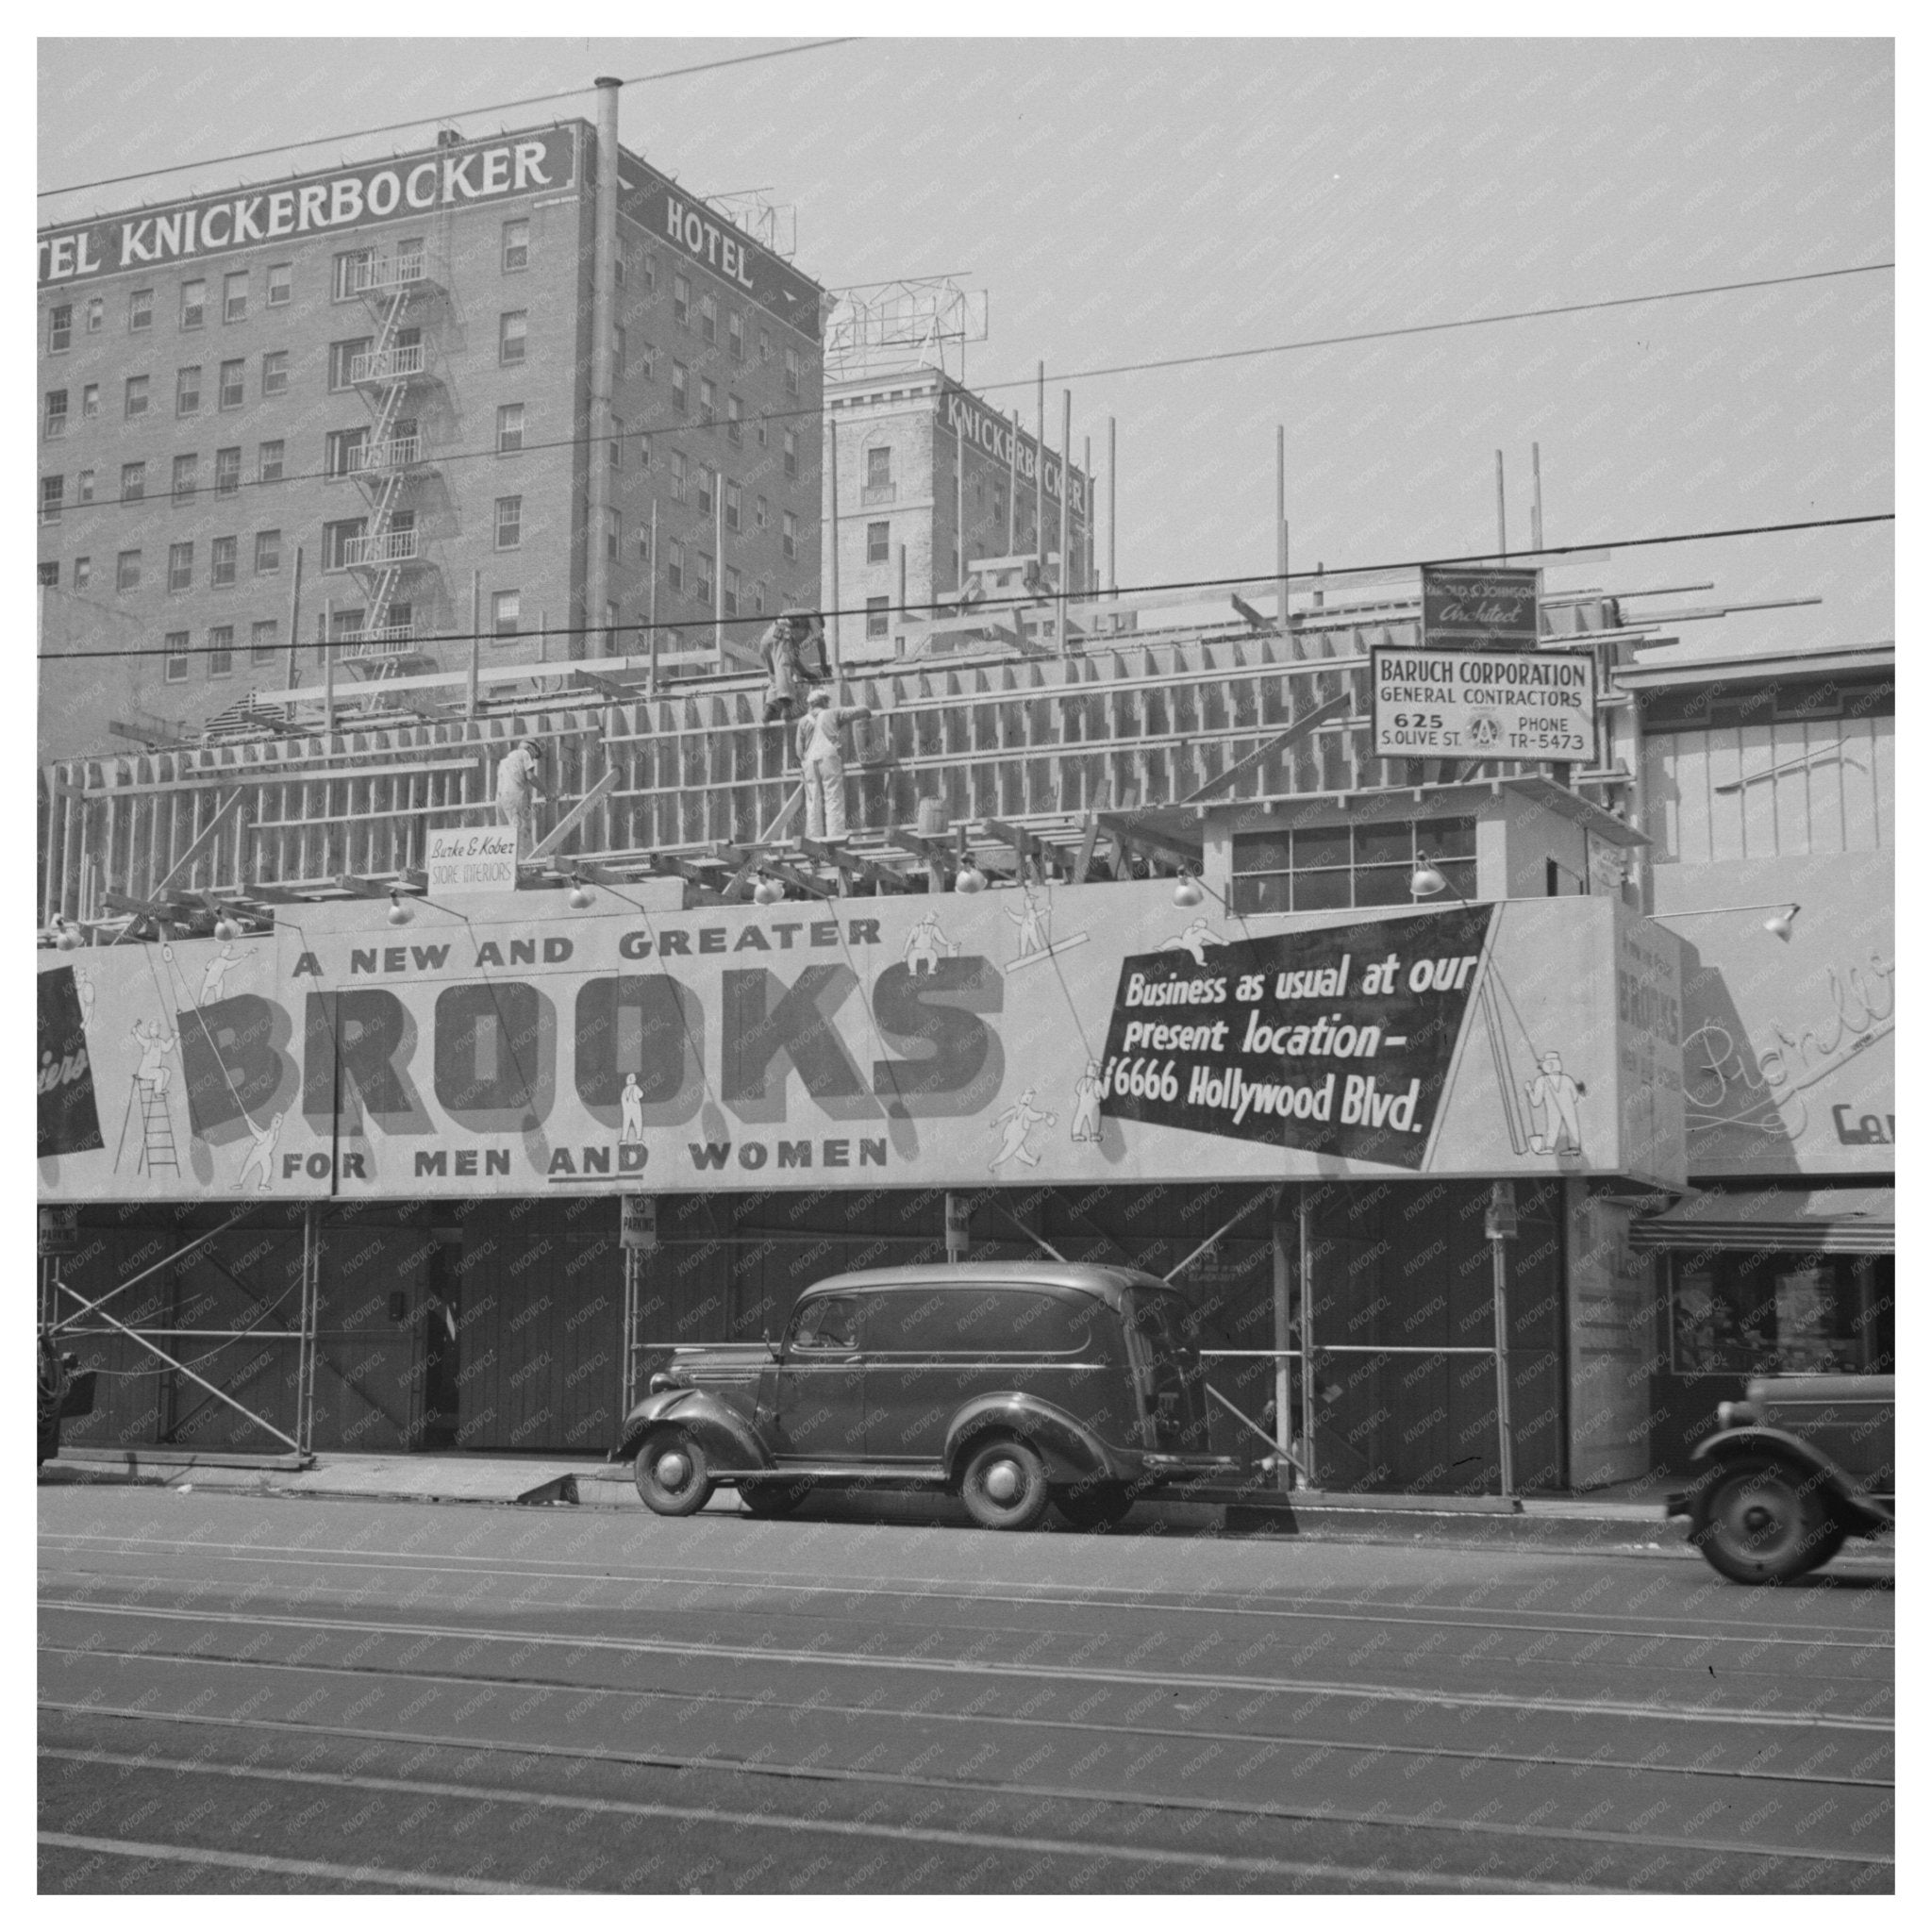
(1057, 1035)
(409, 187)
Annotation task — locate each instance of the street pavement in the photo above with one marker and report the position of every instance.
(242, 1693)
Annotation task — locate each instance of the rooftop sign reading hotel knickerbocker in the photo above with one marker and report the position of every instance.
(351, 198)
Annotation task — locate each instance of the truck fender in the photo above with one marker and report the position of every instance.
(1071, 1451)
(1859, 1512)
(724, 1435)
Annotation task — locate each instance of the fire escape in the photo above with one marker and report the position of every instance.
(393, 374)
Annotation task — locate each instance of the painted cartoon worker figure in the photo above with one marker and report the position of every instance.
(1553, 1096)
(1087, 1104)
(822, 758)
(1015, 1127)
(519, 789)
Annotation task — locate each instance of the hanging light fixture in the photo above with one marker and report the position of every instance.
(971, 880)
(1187, 891)
(767, 892)
(1424, 882)
(399, 914)
(69, 938)
(580, 900)
(1779, 924)
(225, 929)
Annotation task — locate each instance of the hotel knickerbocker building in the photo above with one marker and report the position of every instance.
(1456, 1009)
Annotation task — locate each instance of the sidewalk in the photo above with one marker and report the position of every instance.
(1628, 1519)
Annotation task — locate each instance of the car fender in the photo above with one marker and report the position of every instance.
(1069, 1448)
(1852, 1506)
(718, 1428)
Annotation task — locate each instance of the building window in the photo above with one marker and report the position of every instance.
(735, 329)
(59, 328)
(510, 428)
(730, 591)
(228, 472)
(879, 543)
(337, 538)
(648, 262)
(141, 309)
(734, 420)
(221, 650)
(701, 589)
(193, 303)
(274, 372)
(708, 317)
(1326, 868)
(791, 453)
(268, 467)
(879, 621)
(342, 450)
(764, 346)
(732, 511)
(55, 422)
(509, 521)
(221, 559)
(680, 476)
(1749, 1312)
(680, 397)
(263, 634)
(183, 486)
(792, 371)
(761, 512)
(516, 246)
(707, 401)
(90, 402)
(174, 656)
(134, 401)
(83, 572)
(681, 300)
(703, 491)
(133, 482)
(878, 466)
(617, 347)
(187, 390)
(268, 552)
(758, 595)
(233, 385)
(788, 538)
(341, 357)
(506, 610)
(611, 527)
(351, 273)
(279, 281)
(512, 334)
(643, 543)
(673, 563)
(96, 313)
(235, 296)
(180, 566)
(53, 489)
(127, 570)
(84, 486)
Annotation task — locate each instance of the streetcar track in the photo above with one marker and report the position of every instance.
(962, 1667)
(1072, 1795)
(1103, 1597)
(1006, 1843)
(268, 1867)
(759, 1702)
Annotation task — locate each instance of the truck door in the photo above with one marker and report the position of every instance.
(820, 1415)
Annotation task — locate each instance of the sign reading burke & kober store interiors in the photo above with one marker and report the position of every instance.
(1055, 1035)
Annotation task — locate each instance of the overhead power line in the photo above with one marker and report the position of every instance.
(770, 416)
(707, 621)
(283, 147)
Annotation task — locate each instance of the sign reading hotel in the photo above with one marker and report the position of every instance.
(1486, 604)
(1039, 1035)
(409, 187)
(1468, 704)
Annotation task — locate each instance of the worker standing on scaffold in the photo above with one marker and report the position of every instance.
(519, 787)
(821, 759)
(788, 641)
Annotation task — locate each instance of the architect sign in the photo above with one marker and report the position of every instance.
(1528, 705)
(467, 858)
(1485, 604)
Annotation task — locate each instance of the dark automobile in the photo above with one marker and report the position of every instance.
(1802, 1463)
(1009, 1386)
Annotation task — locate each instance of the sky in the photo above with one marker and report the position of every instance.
(1127, 201)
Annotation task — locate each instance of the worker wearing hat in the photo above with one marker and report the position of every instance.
(519, 788)
(821, 760)
(782, 648)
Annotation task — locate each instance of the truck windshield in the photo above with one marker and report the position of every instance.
(1166, 1368)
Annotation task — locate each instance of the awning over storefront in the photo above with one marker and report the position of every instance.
(1823, 1221)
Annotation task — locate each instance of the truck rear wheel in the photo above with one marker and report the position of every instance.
(1003, 1485)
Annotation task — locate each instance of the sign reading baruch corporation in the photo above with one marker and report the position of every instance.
(412, 186)
(1068, 1035)
(1483, 704)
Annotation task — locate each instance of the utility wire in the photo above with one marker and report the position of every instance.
(684, 422)
(424, 120)
(707, 621)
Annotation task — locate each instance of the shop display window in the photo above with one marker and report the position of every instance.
(1757, 1313)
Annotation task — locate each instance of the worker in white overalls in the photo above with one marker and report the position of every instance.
(821, 759)
(519, 787)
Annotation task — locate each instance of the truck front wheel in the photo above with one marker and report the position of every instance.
(1760, 1521)
(672, 1476)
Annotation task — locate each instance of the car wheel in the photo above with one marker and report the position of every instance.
(673, 1475)
(1760, 1521)
(1097, 1506)
(1003, 1485)
(773, 1499)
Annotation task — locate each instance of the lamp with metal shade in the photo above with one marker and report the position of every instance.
(1424, 882)
(971, 880)
(579, 897)
(767, 892)
(399, 914)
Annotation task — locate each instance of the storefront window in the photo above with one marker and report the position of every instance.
(1753, 1313)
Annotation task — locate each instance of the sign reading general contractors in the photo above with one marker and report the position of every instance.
(1486, 604)
(467, 858)
(1530, 705)
(410, 186)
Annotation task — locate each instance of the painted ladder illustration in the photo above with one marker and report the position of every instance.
(157, 1127)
